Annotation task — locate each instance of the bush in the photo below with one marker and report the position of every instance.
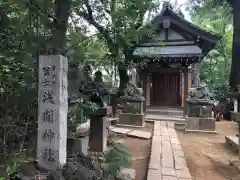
(220, 92)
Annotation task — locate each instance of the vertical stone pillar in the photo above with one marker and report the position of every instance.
(235, 105)
(195, 75)
(98, 133)
(134, 76)
(239, 140)
(185, 74)
(198, 66)
(52, 111)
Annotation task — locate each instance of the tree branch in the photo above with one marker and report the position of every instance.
(231, 2)
(90, 19)
(89, 9)
(140, 18)
(45, 12)
(107, 10)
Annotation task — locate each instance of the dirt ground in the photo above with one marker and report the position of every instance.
(140, 150)
(207, 155)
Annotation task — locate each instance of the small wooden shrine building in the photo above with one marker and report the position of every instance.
(173, 52)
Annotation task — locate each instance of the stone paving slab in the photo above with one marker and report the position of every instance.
(176, 146)
(178, 153)
(132, 132)
(167, 161)
(163, 123)
(169, 178)
(183, 174)
(157, 133)
(154, 174)
(120, 130)
(232, 142)
(168, 172)
(140, 134)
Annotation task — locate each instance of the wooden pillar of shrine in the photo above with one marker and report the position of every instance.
(185, 74)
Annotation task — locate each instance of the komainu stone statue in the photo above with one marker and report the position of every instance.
(200, 110)
(199, 97)
(133, 98)
(199, 93)
(132, 113)
(132, 92)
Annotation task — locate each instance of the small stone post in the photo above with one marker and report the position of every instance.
(98, 134)
(98, 130)
(235, 104)
(52, 112)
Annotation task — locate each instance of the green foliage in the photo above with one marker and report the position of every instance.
(220, 91)
(77, 113)
(215, 68)
(18, 90)
(119, 26)
(118, 157)
(14, 166)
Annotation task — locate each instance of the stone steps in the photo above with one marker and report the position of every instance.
(166, 112)
(177, 119)
(232, 142)
(179, 126)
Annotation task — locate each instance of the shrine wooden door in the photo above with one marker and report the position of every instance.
(166, 89)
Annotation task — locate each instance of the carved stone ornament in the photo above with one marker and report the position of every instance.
(199, 95)
(131, 92)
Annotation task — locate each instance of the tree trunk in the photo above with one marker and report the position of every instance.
(235, 73)
(60, 25)
(124, 78)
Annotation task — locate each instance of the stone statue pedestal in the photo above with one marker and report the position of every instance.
(235, 116)
(98, 129)
(200, 116)
(132, 114)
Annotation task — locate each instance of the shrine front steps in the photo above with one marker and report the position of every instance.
(175, 119)
(165, 111)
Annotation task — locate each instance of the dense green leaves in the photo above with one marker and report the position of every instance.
(215, 68)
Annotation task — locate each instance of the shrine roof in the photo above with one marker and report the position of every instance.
(186, 34)
(169, 51)
(185, 25)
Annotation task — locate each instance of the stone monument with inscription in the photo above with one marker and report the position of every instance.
(200, 117)
(52, 109)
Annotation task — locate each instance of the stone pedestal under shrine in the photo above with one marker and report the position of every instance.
(200, 117)
(235, 116)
